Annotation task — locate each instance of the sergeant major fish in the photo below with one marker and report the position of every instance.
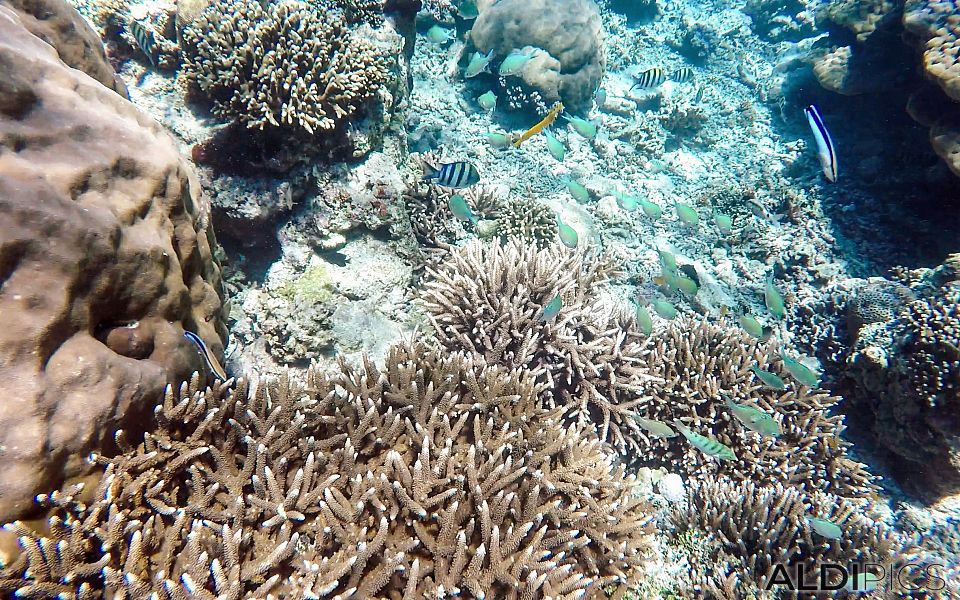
(682, 75)
(825, 150)
(651, 78)
(208, 356)
(146, 39)
(458, 174)
(705, 444)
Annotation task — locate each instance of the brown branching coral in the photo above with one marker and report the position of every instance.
(489, 299)
(283, 64)
(436, 475)
(750, 528)
(699, 364)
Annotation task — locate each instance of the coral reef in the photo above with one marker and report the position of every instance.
(488, 299)
(107, 258)
(286, 64)
(877, 301)
(567, 35)
(698, 364)
(744, 529)
(903, 377)
(435, 475)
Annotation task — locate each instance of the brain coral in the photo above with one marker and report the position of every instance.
(435, 477)
(569, 31)
(289, 63)
(105, 259)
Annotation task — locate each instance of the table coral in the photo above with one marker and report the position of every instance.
(284, 64)
(433, 475)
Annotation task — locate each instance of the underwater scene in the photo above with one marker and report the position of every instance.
(481, 299)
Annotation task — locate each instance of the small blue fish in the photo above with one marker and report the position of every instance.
(551, 309)
(708, 445)
(554, 146)
(724, 223)
(600, 97)
(687, 214)
(208, 357)
(664, 309)
(578, 191)
(585, 128)
(651, 209)
(514, 63)
(568, 235)
(461, 210)
(478, 64)
(753, 418)
(656, 429)
(773, 299)
(644, 321)
(439, 35)
(801, 372)
(459, 174)
(468, 9)
(487, 101)
(628, 203)
(825, 528)
(751, 325)
(769, 379)
(499, 141)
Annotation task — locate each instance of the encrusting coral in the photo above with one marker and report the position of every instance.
(434, 476)
(284, 64)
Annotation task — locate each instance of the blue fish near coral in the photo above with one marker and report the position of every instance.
(208, 357)
(456, 175)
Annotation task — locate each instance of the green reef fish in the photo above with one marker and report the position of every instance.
(555, 146)
(773, 299)
(651, 209)
(705, 444)
(514, 63)
(687, 214)
(579, 193)
(751, 325)
(687, 285)
(655, 428)
(439, 35)
(800, 372)
(209, 358)
(626, 202)
(667, 260)
(468, 9)
(754, 419)
(665, 309)
(499, 141)
(723, 222)
(644, 321)
(769, 379)
(551, 309)
(585, 128)
(488, 100)
(461, 210)
(478, 64)
(568, 235)
(825, 528)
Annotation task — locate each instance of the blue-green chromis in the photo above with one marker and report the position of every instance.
(551, 309)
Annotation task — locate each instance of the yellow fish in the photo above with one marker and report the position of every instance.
(547, 121)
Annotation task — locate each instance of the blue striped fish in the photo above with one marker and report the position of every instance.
(650, 78)
(705, 444)
(458, 174)
(682, 75)
(146, 39)
(825, 150)
(208, 357)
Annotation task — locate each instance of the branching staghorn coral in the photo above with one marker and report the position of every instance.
(436, 475)
(283, 64)
(488, 299)
(698, 363)
(749, 528)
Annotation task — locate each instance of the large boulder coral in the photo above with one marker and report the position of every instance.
(105, 259)
(567, 34)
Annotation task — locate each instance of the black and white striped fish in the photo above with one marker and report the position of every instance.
(146, 39)
(682, 75)
(825, 150)
(650, 78)
(458, 174)
(208, 356)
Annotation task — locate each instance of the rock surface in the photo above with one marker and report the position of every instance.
(105, 259)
